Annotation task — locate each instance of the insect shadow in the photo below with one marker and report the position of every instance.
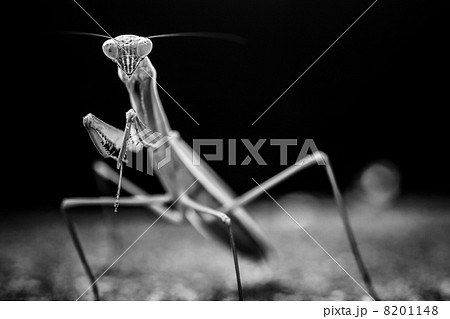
(258, 291)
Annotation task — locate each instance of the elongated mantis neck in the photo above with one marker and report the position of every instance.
(143, 90)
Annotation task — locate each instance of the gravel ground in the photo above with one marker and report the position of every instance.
(406, 248)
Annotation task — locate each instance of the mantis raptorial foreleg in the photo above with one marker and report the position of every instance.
(190, 203)
(114, 143)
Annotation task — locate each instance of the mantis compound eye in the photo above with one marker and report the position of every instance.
(110, 49)
(144, 46)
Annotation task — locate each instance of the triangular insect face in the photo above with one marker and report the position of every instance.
(130, 51)
(128, 63)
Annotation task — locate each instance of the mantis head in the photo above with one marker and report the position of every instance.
(127, 51)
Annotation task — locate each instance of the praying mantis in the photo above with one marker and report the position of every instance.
(193, 192)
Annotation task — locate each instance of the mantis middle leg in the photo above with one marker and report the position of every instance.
(190, 203)
(133, 201)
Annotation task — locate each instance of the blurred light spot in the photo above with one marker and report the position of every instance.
(379, 184)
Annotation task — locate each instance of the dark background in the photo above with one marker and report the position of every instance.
(379, 93)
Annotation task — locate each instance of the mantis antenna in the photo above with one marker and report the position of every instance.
(210, 35)
(224, 36)
(87, 33)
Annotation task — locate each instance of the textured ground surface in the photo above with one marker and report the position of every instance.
(406, 248)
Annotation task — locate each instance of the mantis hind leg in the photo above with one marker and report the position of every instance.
(350, 234)
(315, 158)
